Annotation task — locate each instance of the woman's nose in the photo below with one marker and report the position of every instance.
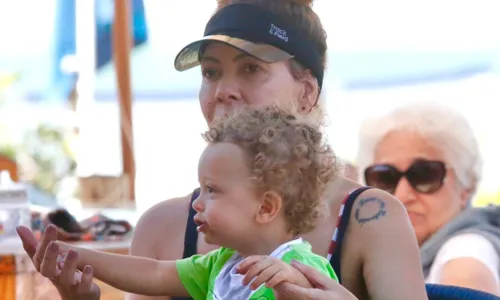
(228, 90)
(404, 191)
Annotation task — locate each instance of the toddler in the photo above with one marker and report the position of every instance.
(261, 179)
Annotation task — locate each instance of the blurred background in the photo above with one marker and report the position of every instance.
(62, 122)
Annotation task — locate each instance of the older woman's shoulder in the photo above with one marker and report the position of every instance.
(468, 260)
(469, 246)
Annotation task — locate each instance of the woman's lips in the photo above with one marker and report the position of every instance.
(414, 216)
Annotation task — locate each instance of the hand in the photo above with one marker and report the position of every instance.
(269, 270)
(323, 287)
(62, 271)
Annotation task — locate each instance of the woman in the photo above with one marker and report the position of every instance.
(428, 157)
(256, 54)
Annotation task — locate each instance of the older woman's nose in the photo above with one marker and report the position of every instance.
(405, 192)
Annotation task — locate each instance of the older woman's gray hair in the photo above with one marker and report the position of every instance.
(443, 126)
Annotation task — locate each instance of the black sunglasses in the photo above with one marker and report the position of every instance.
(425, 176)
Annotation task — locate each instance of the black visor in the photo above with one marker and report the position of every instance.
(258, 32)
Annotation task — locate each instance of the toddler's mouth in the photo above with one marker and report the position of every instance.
(201, 226)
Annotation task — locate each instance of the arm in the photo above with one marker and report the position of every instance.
(128, 273)
(467, 260)
(156, 234)
(389, 250)
(469, 273)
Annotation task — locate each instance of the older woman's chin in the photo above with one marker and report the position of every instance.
(421, 233)
(415, 218)
(419, 225)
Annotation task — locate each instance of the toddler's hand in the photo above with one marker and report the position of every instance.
(270, 271)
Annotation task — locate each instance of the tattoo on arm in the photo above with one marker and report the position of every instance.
(369, 209)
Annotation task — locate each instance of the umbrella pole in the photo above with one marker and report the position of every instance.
(122, 42)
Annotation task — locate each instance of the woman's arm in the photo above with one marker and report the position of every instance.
(138, 275)
(390, 255)
(469, 273)
(467, 260)
(70, 284)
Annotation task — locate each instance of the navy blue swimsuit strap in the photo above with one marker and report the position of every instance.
(191, 236)
(342, 228)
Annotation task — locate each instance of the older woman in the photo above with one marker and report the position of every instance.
(427, 156)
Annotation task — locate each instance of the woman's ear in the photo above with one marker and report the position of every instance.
(310, 92)
(270, 207)
(466, 197)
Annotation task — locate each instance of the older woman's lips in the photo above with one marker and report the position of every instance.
(414, 216)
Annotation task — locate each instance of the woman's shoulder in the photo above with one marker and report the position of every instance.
(370, 216)
(160, 223)
(373, 206)
(367, 211)
(381, 242)
(378, 219)
(339, 189)
(170, 210)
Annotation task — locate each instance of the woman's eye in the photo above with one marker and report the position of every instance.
(252, 68)
(209, 73)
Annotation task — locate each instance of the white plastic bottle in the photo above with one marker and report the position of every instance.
(14, 207)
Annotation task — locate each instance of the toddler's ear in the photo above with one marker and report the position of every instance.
(270, 207)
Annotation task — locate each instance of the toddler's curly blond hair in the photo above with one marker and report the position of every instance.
(287, 155)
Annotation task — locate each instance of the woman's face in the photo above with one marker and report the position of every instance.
(428, 212)
(232, 79)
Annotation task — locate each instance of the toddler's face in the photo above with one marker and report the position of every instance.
(228, 203)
